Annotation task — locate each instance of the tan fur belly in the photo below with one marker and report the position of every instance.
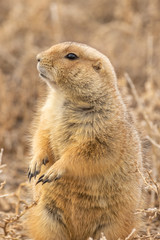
(83, 210)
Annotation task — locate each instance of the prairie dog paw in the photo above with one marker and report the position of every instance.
(35, 166)
(52, 174)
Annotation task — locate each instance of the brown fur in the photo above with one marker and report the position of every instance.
(92, 183)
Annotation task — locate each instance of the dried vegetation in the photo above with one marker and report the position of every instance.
(128, 32)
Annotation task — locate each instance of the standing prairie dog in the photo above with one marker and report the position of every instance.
(85, 150)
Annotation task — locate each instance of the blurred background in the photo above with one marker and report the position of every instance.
(127, 31)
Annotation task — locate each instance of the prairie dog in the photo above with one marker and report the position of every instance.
(85, 149)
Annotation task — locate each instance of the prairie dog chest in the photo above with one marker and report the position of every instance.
(53, 113)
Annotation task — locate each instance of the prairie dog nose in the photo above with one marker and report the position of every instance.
(38, 57)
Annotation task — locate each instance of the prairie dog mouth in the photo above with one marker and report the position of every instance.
(42, 72)
(47, 79)
(43, 76)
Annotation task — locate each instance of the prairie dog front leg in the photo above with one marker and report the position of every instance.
(42, 153)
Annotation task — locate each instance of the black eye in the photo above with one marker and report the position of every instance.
(71, 56)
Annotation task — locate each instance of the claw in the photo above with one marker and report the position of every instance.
(36, 173)
(45, 160)
(47, 180)
(58, 177)
(29, 172)
(30, 176)
(40, 179)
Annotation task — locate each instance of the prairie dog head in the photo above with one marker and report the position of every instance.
(77, 70)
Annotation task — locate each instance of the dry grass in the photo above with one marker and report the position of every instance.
(128, 32)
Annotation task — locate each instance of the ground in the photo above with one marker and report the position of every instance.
(128, 32)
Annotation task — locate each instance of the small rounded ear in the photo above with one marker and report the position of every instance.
(97, 65)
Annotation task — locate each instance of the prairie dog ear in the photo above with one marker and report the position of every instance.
(97, 65)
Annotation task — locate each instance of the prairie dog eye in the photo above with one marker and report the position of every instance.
(71, 56)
